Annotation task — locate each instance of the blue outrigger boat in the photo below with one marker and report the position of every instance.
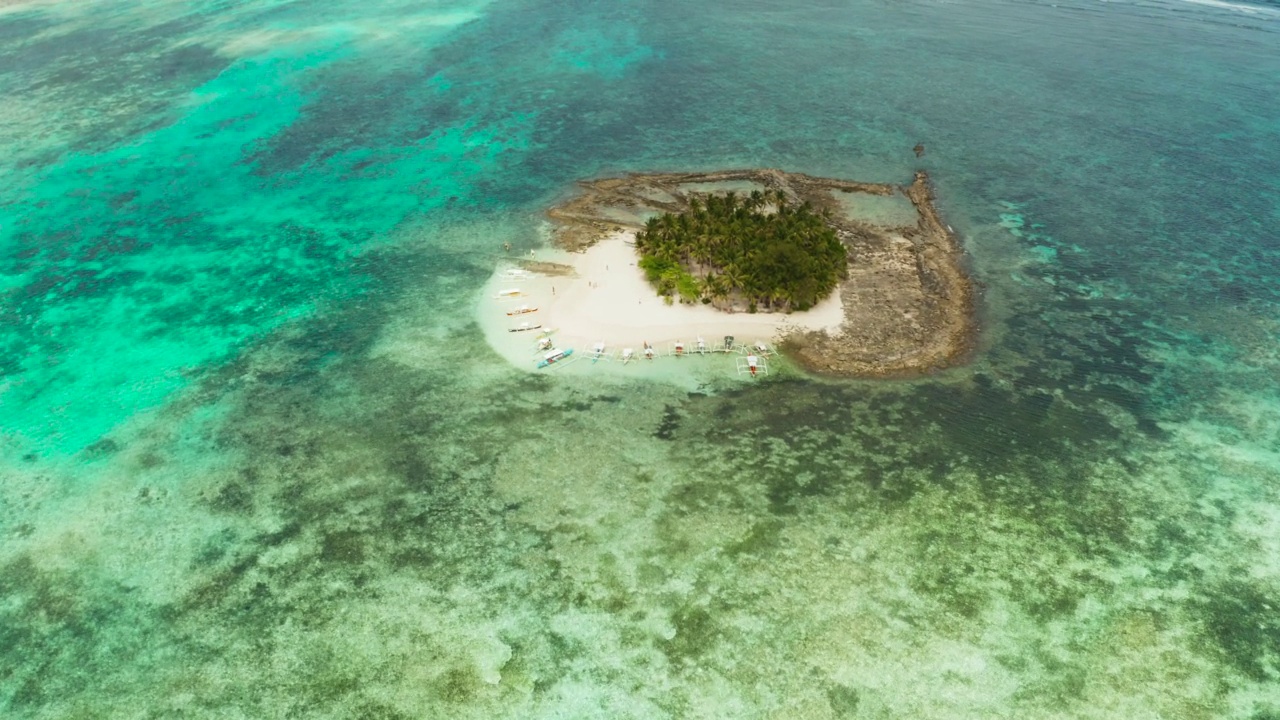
(554, 356)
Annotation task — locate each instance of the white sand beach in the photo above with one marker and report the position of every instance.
(607, 299)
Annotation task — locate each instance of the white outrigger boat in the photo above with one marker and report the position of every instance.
(628, 355)
(522, 310)
(554, 357)
(753, 364)
(525, 327)
(509, 293)
(597, 352)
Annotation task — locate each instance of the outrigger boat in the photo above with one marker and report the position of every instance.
(509, 293)
(648, 351)
(523, 310)
(597, 351)
(554, 357)
(628, 355)
(754, 364)
(524, 327)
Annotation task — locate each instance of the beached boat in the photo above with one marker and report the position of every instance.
(752, 365)
(509, 293)
(522, 310)
(554, 356)
(523, 327)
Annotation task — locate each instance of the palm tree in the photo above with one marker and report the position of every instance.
(725, 245)
(716, 287)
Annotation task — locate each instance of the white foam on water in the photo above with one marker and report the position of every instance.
(1236, 7)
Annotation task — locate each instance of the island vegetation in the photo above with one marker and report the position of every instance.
(763, 249)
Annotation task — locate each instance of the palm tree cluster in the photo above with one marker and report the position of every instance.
(725, 247)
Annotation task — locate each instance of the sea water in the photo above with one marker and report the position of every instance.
(256, 459)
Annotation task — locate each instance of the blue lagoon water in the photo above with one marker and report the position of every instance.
(256, 459)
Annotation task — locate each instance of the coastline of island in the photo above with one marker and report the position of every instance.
(905, 308)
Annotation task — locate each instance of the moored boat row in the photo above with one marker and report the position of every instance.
(547, 354)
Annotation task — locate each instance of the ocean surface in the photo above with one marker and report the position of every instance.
(257, 461)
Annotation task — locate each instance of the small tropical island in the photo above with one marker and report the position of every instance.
(847, 278)
(766, 249)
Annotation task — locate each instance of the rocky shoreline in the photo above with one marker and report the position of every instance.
(908, 302)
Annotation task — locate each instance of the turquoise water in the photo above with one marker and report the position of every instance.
(257, 461)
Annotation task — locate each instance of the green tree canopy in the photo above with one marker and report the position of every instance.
(763, 249)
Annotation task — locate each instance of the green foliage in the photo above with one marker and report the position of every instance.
(787, 259)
